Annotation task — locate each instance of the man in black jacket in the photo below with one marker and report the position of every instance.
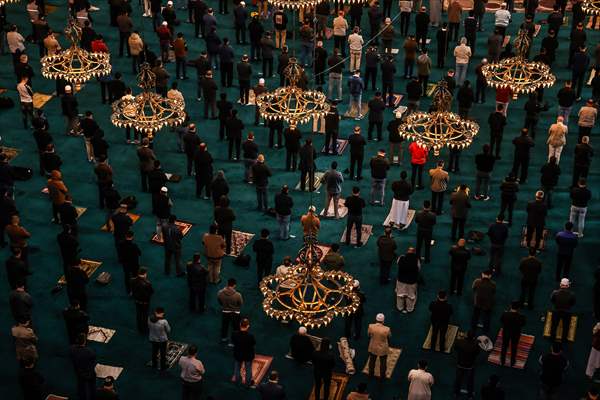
(425, 220)
(224, 108)
(234, 127)
(244, 72)
(523, 144)
(582, 160)
(84, 364)
(376, 109)
(264, 250)
(467, 350)
(226, 61)
(422, 25)
(580, 197)
(172, 238)
(497, 122)
(332, 129)
(379, 168)
(76, 320)
(440, 318)
(320, 63)
(260, 176)
(142, 291)
(307, 166)
(512, 324)
(129, 257)
(209, 92)
(203, 166)
(536, 219)
(549, 179)
(16, 269)
(292, 137)
(459, 261)
(70, 111)
(197, 276)
(388, 72)
(77, 280)
(484, 163)
(355, 205)
(357, 151)
(371, 63)
(190, 144)
(249, 154)
(498, 233)
(530, 268)
(508, 197)
(283, 210)
(563, 300)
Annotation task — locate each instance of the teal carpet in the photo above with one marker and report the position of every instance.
(109, 307)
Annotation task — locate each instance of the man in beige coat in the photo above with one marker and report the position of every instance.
(557, 138)
(214, 250)
(379, 335)
(439, 185)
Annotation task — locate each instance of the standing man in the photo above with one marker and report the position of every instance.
(497, 122)
(307, 166)
(440, 318)
(522, 152)
(379, 335)
(172, 238)
(563, 300)
(376, 109)
(425, 220)
(146, 159)
(197, 276)
(467, 350)
(70, 110)
(142, 291)
(129, 256)
(158, 335)
(537, 210)
(355, 205)
(459, 261)
(484, 296)
(582, 160)
(566, 242)
(260, 175)
(292, 137)
(498, 234)
(379, 167)
(355, 45)
(231, 302)
(283, 211)
(214, 250)
(192, 371)
(83, 359)
(439, 185)
(340, 26)
(280, 24)
(333, 186)
(530, 268)
(264, 250)
(357, 151)
(580, 197)
(460, 204)
(386, 250)
(512, 324)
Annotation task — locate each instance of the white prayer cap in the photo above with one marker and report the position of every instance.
(242, 3)
(312, 208)
(169, 3)
(565, 283)
(261, 81)
(398, 114)
(356, 283)
(302, 330)
(165, 23)
(164, 189)
(380, 317)
(68, 88)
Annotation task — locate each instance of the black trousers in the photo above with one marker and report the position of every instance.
(244, 91)
(128, 273)
(453, 28)
(387, 91)
(539, 230)
(237, 142)
(86, 387)
(267, 67)
(527, 293)
(263, 269)
(477, 314)
(424, 239)
(325, 381)
(457, 281)
(522, 164)
(141, 317)
(417, 172)
(371, 74)
(311, 180)
(123, 38)
(438, 331)
(197, 298)
(226, 234)
(461, 375)
(579, 171)
(404, 23)
(291, 160)
(496, 255)
(563, 265)
(495, 142)
(170, 254)
(356, 221)
(226, 74)
(159, 350)
(353, 321)
(202, 182)
(331, 141)
(458, 224)
(240, 33)
(229, 318)
(384, 271)
(356, 161)
(191, 390)
(190, 163)
(375, 124)
(222, 129)
(512, 339)
(558, 316)
(272, 131)
(437, 202)
(339, 42)
(507, 205)
(382, 365)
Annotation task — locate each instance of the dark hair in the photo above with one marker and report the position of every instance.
(192, 350)
(231, 282)
(403, 174)
(335, 246)
(212, 228)
(334, 165)
(355, 190)
(159, 310)
(422, 364)
(172, 218)
(442, 294)
(569, 225)
(325, 343)
(264, 233)
(427, 204)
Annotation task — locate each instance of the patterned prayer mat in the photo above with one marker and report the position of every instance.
(40, 99)
(134, 218)
(318, 183)
(251, 99)
(392, 359)
(316, 342)
(55, 396)
(397, 98)
(173, 178)
(80, 211)
(260, 367)
(239, 240)
(340, 146)
(10, 152)
(572, 327)
(365, 234)
(103, 371)
(89, 266)
(184, 228)
(400, 109)
(342, 210)
(336, 390)
(590, 21)
(430, 88)
(325, 249)
(410, 215)
(174, 352)
(542, 245)
(100, 334)
(451, 335)
(525, 345)
(352, 112)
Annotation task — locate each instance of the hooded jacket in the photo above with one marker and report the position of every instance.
(158, 329)
(230, 299)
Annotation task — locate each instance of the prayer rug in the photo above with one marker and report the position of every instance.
(184, 228)
(538, 27)
(318, 183)
(325, 249)
(590, 21)
(104, 371)
(410, 215)
(100, 334)
(542, 245)
(572, 327)
(430, 88)
(50, 8)
(55, 396)
(392, 359)
(396, 99)
(400, 109)
(506, 41)
(10, 152)
(260, 367)
(239, 240)
(80, 211)
(174, 178)
(451, 335)
(89, 266)
(395, 51)
(592, 74)
(251, 99)
(366, 232)
(174, 352)
(316, 342)
(352, 112)
(342, 210)
(40, 99)
(336, 390)
(134, 218)
(525, 345)
(340, 146)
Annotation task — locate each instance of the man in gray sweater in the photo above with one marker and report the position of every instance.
(231, 303)
(333, 180)
(158, 334)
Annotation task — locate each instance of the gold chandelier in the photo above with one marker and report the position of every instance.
(295, 4)
(441, 127)
(308, 294)
(292, 103)
(75, 65)
(518, 73)
(5, 2)
(591, 7)
(147, 112)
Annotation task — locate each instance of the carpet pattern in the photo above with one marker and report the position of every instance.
(260, 367)
(336, 390)
(523, 349)
(559, 328)
(184, 228)
(451, 336)
(365, 234)
(392, 360)
(239, 241)
(134, 218)
(88, 266)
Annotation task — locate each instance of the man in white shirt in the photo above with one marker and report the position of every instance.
(355, 43)
(26, 99)
(340, 26)
(192, 370)
(16, 43)
(502, 19)
(420, 382)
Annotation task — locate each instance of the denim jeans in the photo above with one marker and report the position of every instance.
(306, 54)
(377, 190)
(284, 226)
(356, 102)
(237, 371)
(335, 81)
(261, 197)
(577, 218)
(461, 73)
(564, 112)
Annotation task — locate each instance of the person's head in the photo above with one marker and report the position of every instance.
(192, 351)
(109, 383)
(302, 331)
(539, 195)
(224, 201)
(357, 130)
(264, 233)
(440, 164)
(524, 131)
(532, 252)
(556, 348)
(274, 377)
(487, 274)
(515, 305)
(585, 139)
(403, 175)
(159, 312)
(426, 205)
(287, 261)
(442, 295)
(565, 283)
(143, 272)
(380, 318)
(335, 247)
(231, 282)
(355, 190)
(568, 226)
(212, 229)
(325, 344)
(164, 191)
(196, 258)
(500, 107)
(285, 189)
(422, 364)
(260, 159)
(463, 41)
(387, 231)
(461, 242)
(244, 324)
(362, 388)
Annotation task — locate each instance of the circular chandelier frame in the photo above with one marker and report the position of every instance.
(591, 7)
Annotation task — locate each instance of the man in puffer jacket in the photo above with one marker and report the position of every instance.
(57, 191)
(158, 334)
(231, 302)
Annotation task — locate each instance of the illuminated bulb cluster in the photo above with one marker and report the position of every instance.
(74, 64)
(5, 2)
(518, 73)
(307, 294)
(591, 7)
(439, 128)
(292, 103)
(147, 112)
